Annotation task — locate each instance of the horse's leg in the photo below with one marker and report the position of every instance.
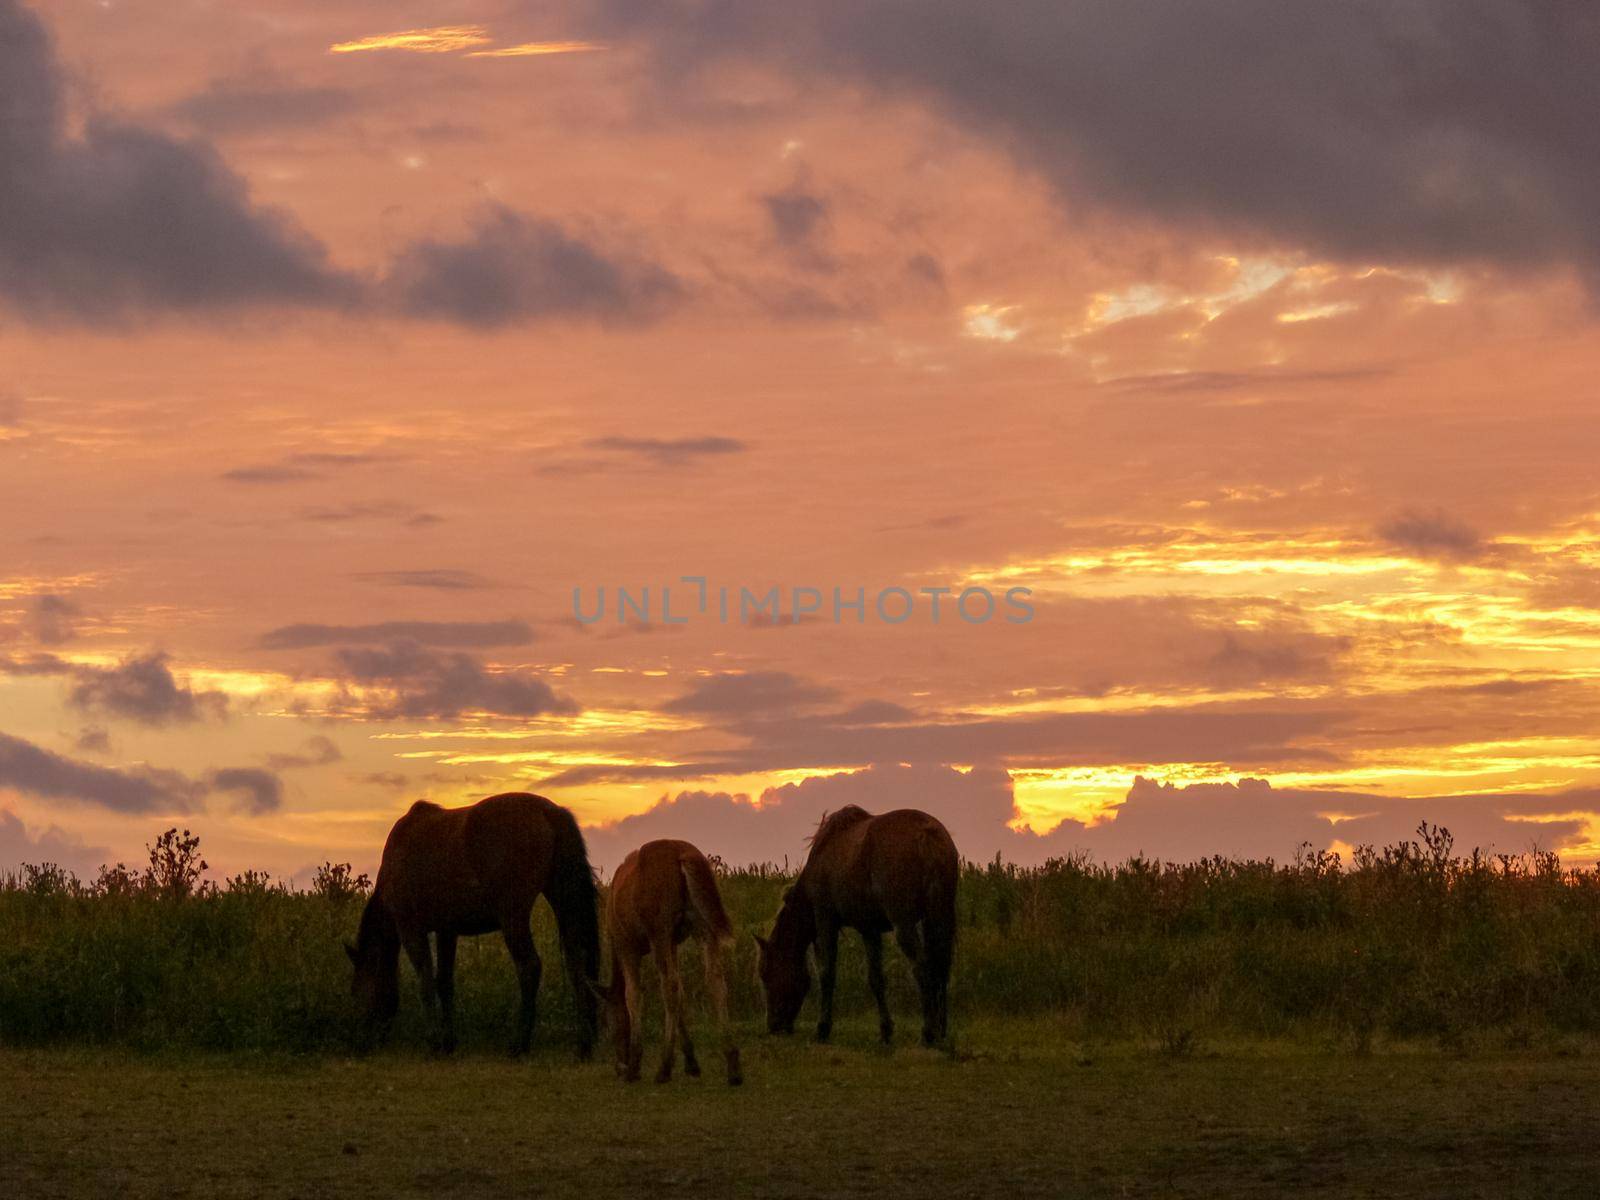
(519, 941)
(421, 956)
(633, 1002)
(873, 940)
(827, 973)
(574, 960)
(671, 1001)
(911, 942)
(691, 1064)
(938, 938)
(447, 991)
(717, 988)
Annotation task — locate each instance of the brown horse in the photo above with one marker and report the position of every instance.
(466, 871)
(663, 893)
(872, 874)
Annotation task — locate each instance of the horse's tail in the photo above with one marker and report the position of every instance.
(705, 898)
(941, 864)
(575, 897)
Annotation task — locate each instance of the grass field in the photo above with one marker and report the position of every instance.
(1017, 1110)
(1413, 1023)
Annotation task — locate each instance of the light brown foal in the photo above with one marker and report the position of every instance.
(662, 893)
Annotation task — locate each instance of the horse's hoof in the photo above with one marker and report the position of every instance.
(824, 1032)
(664, 1075)
(735, 1076)
(517, 1050)
(886, 1034)
(691, 1068)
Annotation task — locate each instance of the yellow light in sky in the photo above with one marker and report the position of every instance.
(443, 39)
(529, 49)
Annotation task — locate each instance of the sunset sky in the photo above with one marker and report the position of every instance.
(341, 341)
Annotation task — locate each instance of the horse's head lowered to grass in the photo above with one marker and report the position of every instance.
(785, 973)
(375, 986)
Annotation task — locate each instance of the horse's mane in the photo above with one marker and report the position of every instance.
(835, 822)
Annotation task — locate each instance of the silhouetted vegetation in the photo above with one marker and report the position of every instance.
(1410, 941)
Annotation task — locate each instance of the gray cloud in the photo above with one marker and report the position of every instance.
(259, 791)
(1249, 818)
(116, 220)
(1432, 535)
(668, 452)
(49, 845)
(319, 751)
(233, 106)
(409, 680)
(754, 691)
(512, 268)
(52, 619)
(33, 771)
(297, 468)
(459, 634)
(143, 689)
(1420, 131)
(444, 579)
(796, 215)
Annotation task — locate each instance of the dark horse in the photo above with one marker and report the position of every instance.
(464, 871)
(872, 874)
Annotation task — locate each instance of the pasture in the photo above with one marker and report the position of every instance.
(1023, 1111)
(1416, 1022)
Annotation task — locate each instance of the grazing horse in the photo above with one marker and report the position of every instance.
(663, 893)
(457, 872)
(896, 871)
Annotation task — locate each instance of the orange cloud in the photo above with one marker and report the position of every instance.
(442, 39)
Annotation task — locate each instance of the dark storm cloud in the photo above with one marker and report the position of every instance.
(1428, 131)
(410, 680)
(755, 691)
(512, 268)
(113, 220)
(232, 106)
(259, 792)
(143, 689)
(28, 769)
(1432, 535)
(458, 634)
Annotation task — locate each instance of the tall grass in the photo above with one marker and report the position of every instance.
(1410, 941)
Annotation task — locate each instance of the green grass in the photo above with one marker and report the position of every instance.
(1020, 1109)
(1411, 942)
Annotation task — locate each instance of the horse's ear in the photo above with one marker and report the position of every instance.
(351, 951)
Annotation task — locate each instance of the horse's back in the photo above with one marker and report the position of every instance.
(665, 885)
(913, 865)
(468, 868)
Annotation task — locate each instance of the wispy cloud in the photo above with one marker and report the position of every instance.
(452, 39)
(442, 39)
(530, 49)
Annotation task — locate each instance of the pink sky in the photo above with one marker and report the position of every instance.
(1260, 349)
